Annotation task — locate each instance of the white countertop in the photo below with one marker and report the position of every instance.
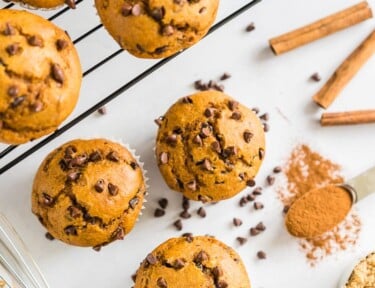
(259, 79)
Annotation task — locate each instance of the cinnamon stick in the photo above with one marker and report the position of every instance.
(321, 28)
(345, 72)
(348, 118)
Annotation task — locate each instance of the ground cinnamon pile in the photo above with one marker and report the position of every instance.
(306, 170)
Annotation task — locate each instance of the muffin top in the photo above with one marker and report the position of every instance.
(192, 262)
(88, 192)
(157, 28)
(40, 76)
(209, 146)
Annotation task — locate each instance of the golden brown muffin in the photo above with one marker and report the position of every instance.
(209, 147)
(157, 28)
(40, 76)
(188, 262)
(47, 4)
(88, 192)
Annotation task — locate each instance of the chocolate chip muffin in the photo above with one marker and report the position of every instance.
(157, 29)
(88, 192)
(40, 76)
(209, 146)
(47, 4)
(187, 262)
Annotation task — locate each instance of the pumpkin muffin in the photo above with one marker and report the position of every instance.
(157, 28)
(40, 76)
(187, 262)
(47, 4)
(88, 192)
(209, 146)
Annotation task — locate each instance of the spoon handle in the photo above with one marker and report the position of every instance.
(364, 184)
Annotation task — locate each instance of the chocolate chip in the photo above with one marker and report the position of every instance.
(202, 10)
(99, 186)
(61, 44)
(261, 153)
(257, 191)
(162, 283)
(178, 224)
(188, 236)
(118, 234)
(201, 212)
(13, 91)
(187, 100)
(192, 185)
(219, 87)
(151, 259)
(73, 176)
(163, 203)
(198, 84)
(250, 197)
(134, 277)
(159, 212)
(260, 226)
(315, 77)
(270, 180)
(133, 202)
(205, 131)
(126, 9)
(237, 222)
(247, 136)
(112, 189)
(71, 230)
(233, 105)
(113, 156)
(97, 248)
(171, 139)
(35, 40)
(102, 110)
(209, 112)
(206, 165)
(201, 257)
(136, 10)
(251, 183)
(37, 106)
(74, 212)
(236, 115)
(49, 236)
(241, 240)
(230, 151)
(79, 161)
(250, 27)
(198, 140)
(225, 76)
(185, 214)
(167, 30)
(243, 201)
(71, 4)
(277, 169)
(47, 199)
(1, 124)
(216, 146)
(265, 117)
(256, 110)
(261, 255)
(217, 272)
(178, 264)
(57, 73)
(258, 206)
(95, 156)
(13, 49)
(178, 1)
(222, 284)
(158, 13)
(164, 157)
(185, 203)
(266, 127)
(254, 232)
(17, 101)
(9, 30)
(286, 209)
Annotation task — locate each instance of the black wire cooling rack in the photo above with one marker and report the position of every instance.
(8, 151)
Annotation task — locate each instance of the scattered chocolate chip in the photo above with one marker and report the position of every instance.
(163, 203)
(133, 202)
(171, 139)
(266, 127)
(200, 257)
(261, 255)
(250, 197)
(192, 185)
(95, 156)
(251, 183)
(216, 146)
(233, 105)
(57, 73)
(225, 76)
(277, 169)
(167, 30)
(112, 189)
(219, 87)
(73, 176)
(49, 236)
(13, 91)
(47, 199)
(206, 165)
(243, 201)
(113, 156)
(286, 209)
(134, 277)
(250, 27)
(178, 264)
(17, 101)
(136, 9)
(71, 4)
(99, 186)
(254, 232)
(102, 110)
(37, 106)
(236, 115)
(187, 100)
(257, 191)
(71, 230)
(270, 180)
(151, 259)
(159, 212)
(13, 49)
(260, 226)
(256, 110)
(201, 212)
(119, 233)
(237, 222)
(162, 283)
(158, 13)
(241, 240)
(164, 157)
(258, 205)
(97, 248)
(188, 236)
(74, 212)
(61, 44)
(35, 40)
(265, 117)
(9, 30)
(185, 214)
(178, 224)
(315, 77)
(126, 9)
(261, 153)
(198, 140)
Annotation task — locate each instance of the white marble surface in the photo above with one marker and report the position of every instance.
(259, 79)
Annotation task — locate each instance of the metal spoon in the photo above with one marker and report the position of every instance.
(361, 186)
